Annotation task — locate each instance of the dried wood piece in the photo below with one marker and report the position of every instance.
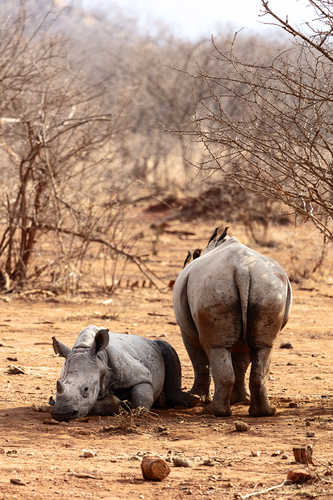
(51, 421)
(154, 468)
(299, 476)
(303, 455)
(81, 475)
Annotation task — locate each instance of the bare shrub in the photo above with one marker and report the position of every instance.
(63, 193)
(266, 124)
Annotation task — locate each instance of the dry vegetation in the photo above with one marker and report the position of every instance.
(99, 205)
(86, 102)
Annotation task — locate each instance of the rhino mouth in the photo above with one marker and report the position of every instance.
(65, 417)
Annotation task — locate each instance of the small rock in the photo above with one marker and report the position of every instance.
(286, 345)
(15, 370)
(181, 462)
(310, 434)
(284, 456)
(88, 454)
(18, 482)
(276, 453)
(242, 426)
(255, 453)
(162, 428)
(209, 462)
(109, 428)
(41, 409)
(293, 405)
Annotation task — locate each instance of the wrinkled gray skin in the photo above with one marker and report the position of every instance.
(230, 304)
(103, 363)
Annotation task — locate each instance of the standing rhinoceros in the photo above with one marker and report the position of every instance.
(102, 363)
(230, 304)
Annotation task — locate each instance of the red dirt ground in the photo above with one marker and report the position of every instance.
(225, 464)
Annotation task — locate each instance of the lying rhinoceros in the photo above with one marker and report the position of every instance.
(130, 367)
(230, 304)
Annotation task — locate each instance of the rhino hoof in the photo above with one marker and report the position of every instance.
(267, 411)
(214, 409)
(194, 401)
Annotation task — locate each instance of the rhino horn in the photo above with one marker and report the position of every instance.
(60, 387)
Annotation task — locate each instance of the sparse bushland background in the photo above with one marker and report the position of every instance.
(96, 195)
(108, 134)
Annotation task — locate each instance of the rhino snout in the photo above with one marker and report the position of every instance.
(65, 417)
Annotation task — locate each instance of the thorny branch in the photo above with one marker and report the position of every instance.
(267, 125)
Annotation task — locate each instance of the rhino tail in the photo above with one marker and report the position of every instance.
(289, 300)
(242, 280)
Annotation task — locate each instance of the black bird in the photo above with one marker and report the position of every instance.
(213, 236)
(223, 235)
(188, 258)
(196, 253)
(51, 401)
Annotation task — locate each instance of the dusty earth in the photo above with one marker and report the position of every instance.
(47, 460)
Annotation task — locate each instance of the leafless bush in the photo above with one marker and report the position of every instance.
(267, 125)
(60, 176)
(307, 264)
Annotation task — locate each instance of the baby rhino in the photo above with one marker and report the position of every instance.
(129, 367)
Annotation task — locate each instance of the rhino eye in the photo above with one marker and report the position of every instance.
(84, 390)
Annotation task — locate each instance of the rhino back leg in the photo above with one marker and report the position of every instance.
(173, 378)
(200, 363)
(260, 405)
(240, 362)
(224, 379)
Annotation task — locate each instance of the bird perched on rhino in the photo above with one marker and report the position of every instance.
(196, 253)
(222, 236)
(188, 258)
(213, 236)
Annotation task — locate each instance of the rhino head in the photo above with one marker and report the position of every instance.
(83, 378)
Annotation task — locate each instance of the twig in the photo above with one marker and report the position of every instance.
(149, 273)
(242, 497)
(84, 476)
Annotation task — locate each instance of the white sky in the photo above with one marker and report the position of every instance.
(196, 18)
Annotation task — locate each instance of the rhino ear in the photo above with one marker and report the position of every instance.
(101, 341)
(60, 348)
